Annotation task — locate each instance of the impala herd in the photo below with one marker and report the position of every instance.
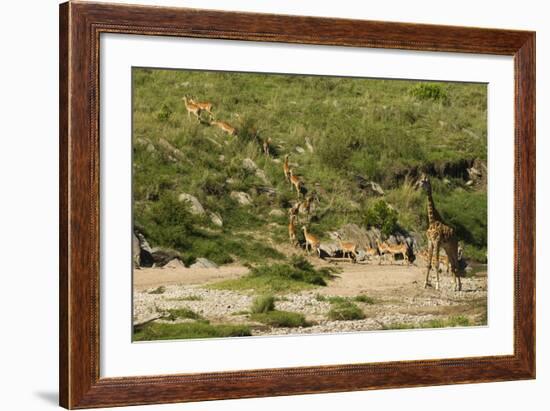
(348, 249)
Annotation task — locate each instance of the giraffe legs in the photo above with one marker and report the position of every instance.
(429, 267)
(436, 246)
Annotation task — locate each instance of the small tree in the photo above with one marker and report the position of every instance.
(382, 216)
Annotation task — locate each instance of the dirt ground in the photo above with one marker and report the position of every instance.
(398, 291)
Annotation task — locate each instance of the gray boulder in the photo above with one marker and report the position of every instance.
(216, 219)
(241, 197)
(249, 164)
(204, 263)
(194, 204)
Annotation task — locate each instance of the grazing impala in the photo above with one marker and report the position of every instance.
(203, 106)
(226, 127)
(304, 207)
(296, 182)
(312, 242)
(371, 252)
(348, 248)
(443, 259)
(192, 108)
(292, 230)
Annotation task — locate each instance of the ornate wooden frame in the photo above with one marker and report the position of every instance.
(80, 27)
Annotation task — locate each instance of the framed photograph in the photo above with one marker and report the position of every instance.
(260, 205)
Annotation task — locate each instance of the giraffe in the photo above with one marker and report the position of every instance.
(439, 235)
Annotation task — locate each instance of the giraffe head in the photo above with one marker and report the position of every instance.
(424, 183)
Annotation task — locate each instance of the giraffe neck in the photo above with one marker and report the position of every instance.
(433, 215)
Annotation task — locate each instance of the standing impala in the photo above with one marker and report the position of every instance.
(296, 182)
(206, 106)
(292, 230)
(266, 146)
(348, 248)
(192, 108)
(286, 168)
(312, 242)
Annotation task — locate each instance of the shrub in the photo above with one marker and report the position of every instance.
(364, 299)
(380, 215)
(174, 314)
(428, 91)
(280, 319)
(164, 113)
(159, 290)
(345, 311)
(263, 304)
(201, 329)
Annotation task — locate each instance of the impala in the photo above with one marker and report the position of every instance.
(192, 108)
(348, 248)
(266, 144)
(203, 106)
(400, 249)
(286, 168)
(226, 127)
(312, 242)
(292, 230)
(296, 182)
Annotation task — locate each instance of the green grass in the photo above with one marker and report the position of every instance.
(457, 321)
(339, 300)
(187, 298)
(382, 130)
(298, 275)
(345, 310)
(181, 313)
(201, 329)
(280, 319)
(159, 290)
(263, 304)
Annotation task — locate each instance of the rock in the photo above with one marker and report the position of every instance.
(241, 197)
(308, 145)
(174, 264)
(261, 175)
(299, 150)
(216, 219)
(145, 251)
(136, 251)
(173, 151)
(270, 191)
(162, 256)
(221, 158)
(204, 263)
(195, 206)
(277, 213)
(329, 249)
(370, 187)
(150, 148)
(249, 165)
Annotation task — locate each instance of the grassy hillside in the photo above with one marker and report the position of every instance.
(358, 130)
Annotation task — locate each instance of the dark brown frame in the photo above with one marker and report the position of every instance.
(80, 27)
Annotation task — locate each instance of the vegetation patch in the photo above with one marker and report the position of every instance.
(181, 313)
(158, 290)
(199, 329)
(345, 310)
(298, 275)
(186, 298)
(457, 321)
(280, 319)
(263, 304)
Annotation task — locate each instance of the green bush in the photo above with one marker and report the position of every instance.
(429, 91)
(380, 215)
(176, 313)
(280, 319)
(180, 331)
(263, 304)
(345, 311)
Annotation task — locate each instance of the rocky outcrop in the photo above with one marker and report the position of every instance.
(216, 219)
(370, 187)
(194, 205)
(241, 197)
(203, 263)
